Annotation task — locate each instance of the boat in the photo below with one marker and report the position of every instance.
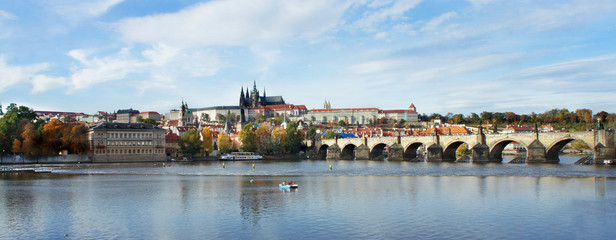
(608, 162)
(241, 156)
(288, 185)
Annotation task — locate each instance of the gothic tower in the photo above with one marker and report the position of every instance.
(254, 96)
(242, 100)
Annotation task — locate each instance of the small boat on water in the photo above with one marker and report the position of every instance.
(288, 185)
(608, 162)
(241, 156)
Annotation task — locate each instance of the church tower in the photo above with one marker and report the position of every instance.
(254, 96)
(242, 99)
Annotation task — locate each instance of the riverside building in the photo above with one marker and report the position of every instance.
(127, 142)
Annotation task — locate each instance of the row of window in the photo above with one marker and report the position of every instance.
(129, 151)
(131, 135)
(129, 143)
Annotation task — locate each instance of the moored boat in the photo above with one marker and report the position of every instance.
(241, 156)
(608, 162)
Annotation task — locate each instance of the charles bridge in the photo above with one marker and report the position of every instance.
(540, 147)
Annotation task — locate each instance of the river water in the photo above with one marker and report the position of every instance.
(352, 200)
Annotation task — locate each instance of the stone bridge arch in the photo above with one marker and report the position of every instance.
(553, 150)
(376, 152)
(322, 151)
(449, 152)
(410, 150)
(348, 152)
(496, 150)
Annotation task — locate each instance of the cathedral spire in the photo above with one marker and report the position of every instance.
(242, 99)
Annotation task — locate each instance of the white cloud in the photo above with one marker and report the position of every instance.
(12, 75)
(438, 21)
(78, 10)
(4, 15)
(235, 22)
(43, 83)
(371, 20)
(161, 63)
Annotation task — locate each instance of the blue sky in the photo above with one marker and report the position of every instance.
(443, 56)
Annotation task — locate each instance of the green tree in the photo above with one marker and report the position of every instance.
(248, 140)
(190, 144)
(293, 138)
(579, 145)
(311, 133)
(462, 150)
(13, 122)
(330, 134)
(147, 120)
(205, 117)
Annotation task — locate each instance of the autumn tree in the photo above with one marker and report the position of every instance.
(207, 147)
(29, 145)
(279, 138)
(248, 139)
(190, 144)
(224, 143)
(79, 139)
(264, 138)
(52, 137)
(16, 147)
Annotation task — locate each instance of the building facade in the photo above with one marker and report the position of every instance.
(127, 142)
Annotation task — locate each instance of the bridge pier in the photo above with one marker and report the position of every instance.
(480, 153)
(333, 152)
(362, 152)
(434, 153)
(536, 153)
(395, 152)
(604, 146)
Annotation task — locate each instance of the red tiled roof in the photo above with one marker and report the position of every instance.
(344, 109)
(172, 138)
(398, 111)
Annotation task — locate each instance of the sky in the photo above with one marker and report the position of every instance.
(443, 56)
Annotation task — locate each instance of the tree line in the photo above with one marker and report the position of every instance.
(264, 139)
(580, 119)
(21, 132)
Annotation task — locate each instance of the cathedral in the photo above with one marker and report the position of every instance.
(252, 99)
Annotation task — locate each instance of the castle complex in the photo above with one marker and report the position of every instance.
(253, 105)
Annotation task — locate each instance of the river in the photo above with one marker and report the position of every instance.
(352, 200)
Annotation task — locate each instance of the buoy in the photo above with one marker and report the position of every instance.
(163, 164)
(251, 181)
(253, 165)
(330, 167)
(223, 165)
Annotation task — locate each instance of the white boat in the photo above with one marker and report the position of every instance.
(608, 162)
(241, 156)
